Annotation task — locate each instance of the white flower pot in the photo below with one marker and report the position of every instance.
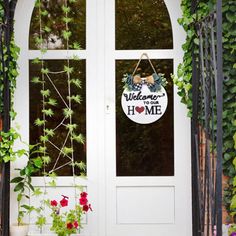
(21, 230)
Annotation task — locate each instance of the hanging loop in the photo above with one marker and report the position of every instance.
(140, 59)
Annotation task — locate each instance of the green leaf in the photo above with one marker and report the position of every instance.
(36, 61)
(17, 180)
(76, 98)
(71, 127)
(44, 70)
(66, 34)
(76, 82)
(68, 69)
(52, 102)
(66, 9)
(48, 112)
(38, 162)
(46, 159)
(67, 112)
(234, 137)
(19, 187)
(36, 80)
(45, 93)
(39, 122)
(76, 46)
(49, 132)
(67, 150)
(47, 29)
(37, 192)
(79, 138)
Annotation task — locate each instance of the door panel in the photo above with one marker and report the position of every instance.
(148, 177)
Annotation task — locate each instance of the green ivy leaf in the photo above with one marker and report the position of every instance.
(79, 138)
(68, 69)
(66, 34)
(66, 9)
(76, 82)
(39, 122)
(48, 112)
(52, 102)
(67, 112)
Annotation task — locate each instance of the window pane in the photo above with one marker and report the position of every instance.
(144, 150)
(143, 25)
(57, 84)
(53, 25)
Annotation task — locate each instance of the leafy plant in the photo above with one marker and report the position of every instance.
(68, 222)
(23, 186)
(183, 80)
(7, 152)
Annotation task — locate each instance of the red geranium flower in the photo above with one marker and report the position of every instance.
(83, 201)
(83, 194)
(54, 203)
(64, 202)
(85, 208)
(69, 226)
(76, 224)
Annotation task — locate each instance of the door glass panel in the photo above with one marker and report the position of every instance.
(53, 25)
(59, 142)
(144, 150)
(143, 25)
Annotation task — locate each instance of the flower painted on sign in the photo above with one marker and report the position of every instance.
(54, 203)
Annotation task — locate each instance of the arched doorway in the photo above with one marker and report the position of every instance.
(138, 176)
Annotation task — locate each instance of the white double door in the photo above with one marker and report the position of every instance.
(122, 205)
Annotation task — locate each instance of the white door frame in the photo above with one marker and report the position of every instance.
(100, 41)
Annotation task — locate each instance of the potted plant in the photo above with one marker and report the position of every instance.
(24, 188)
(67, 222)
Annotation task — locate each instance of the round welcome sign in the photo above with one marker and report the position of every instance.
(144, 106)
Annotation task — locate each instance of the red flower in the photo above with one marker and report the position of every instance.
(85, 208)
(83, 201)
(76, 224)
(69, 226)
(64, 202)
(83, 194)
(54, 203)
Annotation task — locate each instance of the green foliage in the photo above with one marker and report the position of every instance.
(7, 152)
(184, 78)
(23, 185)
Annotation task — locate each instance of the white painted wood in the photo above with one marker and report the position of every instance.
(145, 205)
(181, 182)
(171, 195)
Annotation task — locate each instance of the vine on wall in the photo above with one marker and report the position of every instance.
(184, 79)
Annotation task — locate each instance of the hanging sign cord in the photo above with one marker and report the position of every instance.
(146, 55)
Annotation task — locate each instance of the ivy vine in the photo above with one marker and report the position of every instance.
(50, 102)
(184, 79)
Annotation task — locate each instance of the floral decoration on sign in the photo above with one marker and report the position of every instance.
(135, 83)
(68, 222)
